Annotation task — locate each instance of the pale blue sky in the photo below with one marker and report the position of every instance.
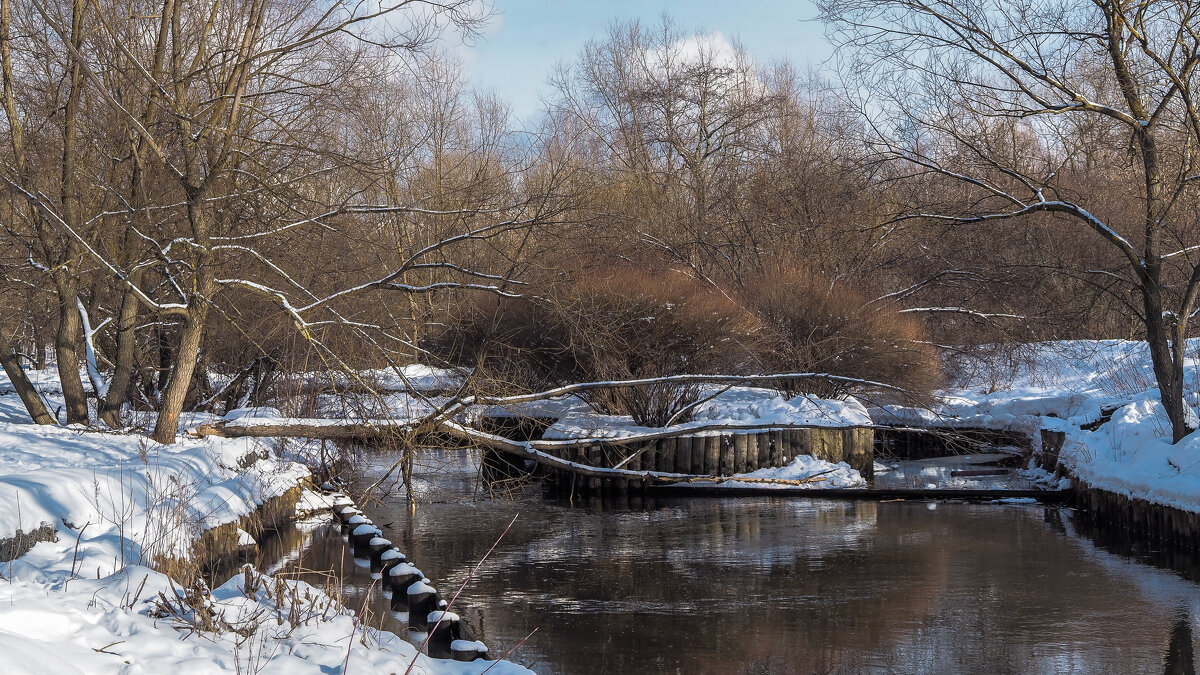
(527, 37)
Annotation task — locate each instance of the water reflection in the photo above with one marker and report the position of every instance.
(1179, 659)
(980, 471)
(770, 585)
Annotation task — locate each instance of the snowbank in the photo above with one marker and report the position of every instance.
(134, 495)
(1073, 380)
(1062, 386)
(120, 624)
(1132, 455)
(84, 602)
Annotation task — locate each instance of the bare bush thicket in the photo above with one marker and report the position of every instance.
(607, 324)
(814, 324)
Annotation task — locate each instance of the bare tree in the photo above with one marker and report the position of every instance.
(43, 89)
(946, 76)
(675, 118)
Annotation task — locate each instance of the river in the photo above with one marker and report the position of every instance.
(772, 585)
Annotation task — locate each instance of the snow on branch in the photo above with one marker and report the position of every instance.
(1182, 251)
(571, 389)
(40, 202)
(961, 310)
(905, 292)
(99, 384)
(1054, 206)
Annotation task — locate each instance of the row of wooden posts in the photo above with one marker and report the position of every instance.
(409, 593)
(713, 454)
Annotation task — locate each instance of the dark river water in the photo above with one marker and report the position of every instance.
(775, 585)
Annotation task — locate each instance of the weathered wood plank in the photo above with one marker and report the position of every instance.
(697, 451)
(683, 455)
(741, 444)
(712, 455)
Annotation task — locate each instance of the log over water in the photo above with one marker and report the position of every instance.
(648, 459)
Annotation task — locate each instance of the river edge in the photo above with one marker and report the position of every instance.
(107, 534)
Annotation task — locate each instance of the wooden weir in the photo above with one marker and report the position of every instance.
(701, 458)
(697, 459)
(708, 453)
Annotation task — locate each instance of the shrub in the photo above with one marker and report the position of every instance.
(813, 324)
(630, 323)
(513, 344)
(616, 324)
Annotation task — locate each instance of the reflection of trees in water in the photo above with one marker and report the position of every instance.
(1171, 555)
(1180, 659)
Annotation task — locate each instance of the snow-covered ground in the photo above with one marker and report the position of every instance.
(732, 406)
(1064, 385)
(87, 602)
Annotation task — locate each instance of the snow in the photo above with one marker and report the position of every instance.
(154, 498)
(419, 587)
(468, 646)
(734, 406)
(403, 569)
(87, 603)
(838, 475)
(1061, 386)
(67, 625)
(245, 539)
(315, 502)
(443, 616)
(418, 377)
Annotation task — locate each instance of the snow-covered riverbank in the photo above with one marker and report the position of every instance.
(1106, 385)
(90, 511)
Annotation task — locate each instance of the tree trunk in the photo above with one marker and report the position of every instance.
(184, 366)
(20, 381)
(124, 363)
(70, 325)
(1167, 372)
(66, 344)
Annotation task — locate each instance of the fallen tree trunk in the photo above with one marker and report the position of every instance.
(299, 428)
(525, 449)
(34, 404)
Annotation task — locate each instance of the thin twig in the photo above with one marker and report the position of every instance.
(460, 589)
(509, 652)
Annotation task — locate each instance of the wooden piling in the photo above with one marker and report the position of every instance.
(635, 464)
(696, 449)
(858, 450)
(725, 467)
(593, 455)
(741, 445)
(666, 455)
(764, 449)
(712, 455)
(776, 450)
(803, 444)
(791, 438)
(683, 455)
